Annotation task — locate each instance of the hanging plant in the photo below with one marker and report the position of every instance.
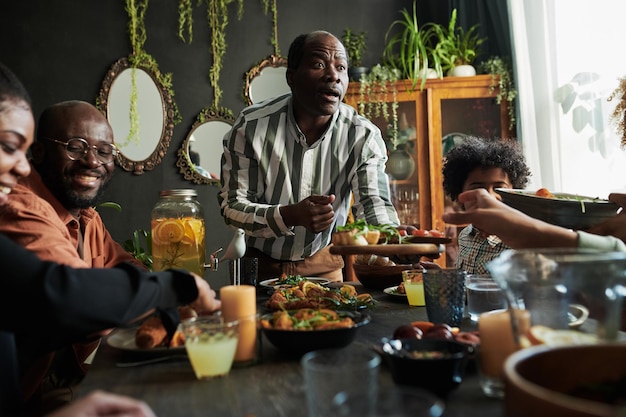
(500, 70)
(140, 58)
(374, 90)
(217, 17)
(185, 20)
(271, 7)
(619, 114)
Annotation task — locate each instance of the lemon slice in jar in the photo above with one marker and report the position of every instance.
(169, 231)
(194, 231)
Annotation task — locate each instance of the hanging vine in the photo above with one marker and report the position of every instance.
(217, 17)
(218, 20)
(140, 58)
(185, 20)
(271, 7)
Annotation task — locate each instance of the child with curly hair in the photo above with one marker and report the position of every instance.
(489, 164)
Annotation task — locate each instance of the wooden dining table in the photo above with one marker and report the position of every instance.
(271, 387)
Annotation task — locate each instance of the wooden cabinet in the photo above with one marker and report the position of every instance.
(435, 117)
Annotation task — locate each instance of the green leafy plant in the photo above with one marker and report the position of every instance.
(135, 246)
(502, 78)
(408, 48)
(374, 90)
(455, 46)
(619, 114)
(355, 44)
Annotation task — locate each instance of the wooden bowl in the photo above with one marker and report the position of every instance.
(542, 381)
(379, 277)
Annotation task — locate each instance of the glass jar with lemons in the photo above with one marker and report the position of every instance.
(178, 235)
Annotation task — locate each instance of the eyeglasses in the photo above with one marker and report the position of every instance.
(76, 149)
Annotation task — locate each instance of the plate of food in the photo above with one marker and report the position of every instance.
(125, 339)
(395, 291)
(287, 281)
(567, 210)
(150, 337)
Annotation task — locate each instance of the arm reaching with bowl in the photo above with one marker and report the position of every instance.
(520, 231)
(615, 226)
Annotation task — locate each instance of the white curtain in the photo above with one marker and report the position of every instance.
(568, 57)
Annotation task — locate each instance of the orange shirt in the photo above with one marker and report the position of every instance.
(37, 221)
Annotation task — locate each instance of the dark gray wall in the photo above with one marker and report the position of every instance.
(62, 49)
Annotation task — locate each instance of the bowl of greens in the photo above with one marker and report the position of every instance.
(571, 211)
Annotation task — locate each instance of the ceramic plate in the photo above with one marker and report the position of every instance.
(566, 210)
(272, 283)
(393, 291)
(124, 339)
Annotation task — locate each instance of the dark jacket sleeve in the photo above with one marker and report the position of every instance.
(60, 304)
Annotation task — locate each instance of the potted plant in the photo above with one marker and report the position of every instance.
(500, 72)
(409, 50)
(619, 114)
(456, 49)
(355, 44)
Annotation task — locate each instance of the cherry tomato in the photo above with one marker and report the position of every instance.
(436, 233)
(402, 232)
(420, 232)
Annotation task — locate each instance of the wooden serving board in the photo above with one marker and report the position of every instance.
(388, 250)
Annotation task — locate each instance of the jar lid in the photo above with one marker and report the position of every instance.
(181, 192)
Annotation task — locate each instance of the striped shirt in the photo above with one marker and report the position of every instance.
(475, 251)
(267, 163)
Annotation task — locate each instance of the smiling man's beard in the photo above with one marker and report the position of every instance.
(73, 199)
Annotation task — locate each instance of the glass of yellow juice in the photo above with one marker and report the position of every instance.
(211, 343)
(414, 286)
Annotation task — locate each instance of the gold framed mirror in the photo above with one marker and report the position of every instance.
(141, 111)
(266, 80)
(199, 159)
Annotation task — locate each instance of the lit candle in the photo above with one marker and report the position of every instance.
(496, 339)
(239, 303)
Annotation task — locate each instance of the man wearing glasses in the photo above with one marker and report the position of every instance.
(51, 213)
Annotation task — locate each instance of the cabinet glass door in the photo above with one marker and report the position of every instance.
(402, 160)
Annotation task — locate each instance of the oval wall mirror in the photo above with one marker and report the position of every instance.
(266, 80)
(153, 126)
(199, 159)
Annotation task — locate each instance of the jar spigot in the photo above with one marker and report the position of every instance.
(213, 261)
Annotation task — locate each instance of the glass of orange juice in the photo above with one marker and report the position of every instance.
(211, 343)
(414, 286)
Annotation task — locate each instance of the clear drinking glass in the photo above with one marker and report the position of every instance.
(483, 294)
(333, 375)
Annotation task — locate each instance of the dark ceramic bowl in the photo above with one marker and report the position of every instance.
(437, 375)
(379, 277)
(298, 342)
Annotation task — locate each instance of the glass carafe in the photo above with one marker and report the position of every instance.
(548, 282)
(178, 235)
